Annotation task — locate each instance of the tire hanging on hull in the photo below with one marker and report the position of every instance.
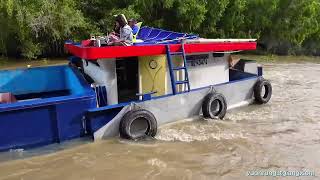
(262, 91)
(137, 124)
(214, 106)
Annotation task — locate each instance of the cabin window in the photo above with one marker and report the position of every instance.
(217, 54)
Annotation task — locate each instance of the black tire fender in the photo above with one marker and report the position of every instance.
(259, 96)
(214, 106)
(137, 124)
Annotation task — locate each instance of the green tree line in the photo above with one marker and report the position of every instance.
(38, 28)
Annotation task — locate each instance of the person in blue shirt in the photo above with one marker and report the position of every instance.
(133, 25)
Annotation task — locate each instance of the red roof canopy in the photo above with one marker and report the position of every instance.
(92, 53)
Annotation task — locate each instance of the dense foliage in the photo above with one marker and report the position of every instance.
(33, 28)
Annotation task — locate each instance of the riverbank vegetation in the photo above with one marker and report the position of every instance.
(38, 28)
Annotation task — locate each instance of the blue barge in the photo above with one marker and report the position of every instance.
(128, 91)
(51, 104)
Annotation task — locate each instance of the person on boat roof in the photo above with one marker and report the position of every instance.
(134, 26)
(116, 29)
(126, 36)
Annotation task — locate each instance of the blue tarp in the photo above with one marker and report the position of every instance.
(151, 35)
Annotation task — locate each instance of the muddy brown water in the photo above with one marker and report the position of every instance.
(281, 135)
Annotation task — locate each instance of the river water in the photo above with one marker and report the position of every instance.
(281, 135)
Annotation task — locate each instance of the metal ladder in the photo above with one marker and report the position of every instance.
(172, 69)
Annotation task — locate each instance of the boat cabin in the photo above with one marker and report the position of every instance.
(162, 63)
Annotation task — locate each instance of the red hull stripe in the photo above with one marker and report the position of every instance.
(92, 53)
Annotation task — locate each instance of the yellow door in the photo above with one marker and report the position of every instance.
(153, 75)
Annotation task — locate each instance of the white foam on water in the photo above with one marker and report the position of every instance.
(17, 150)
(193, 131)
(157, 162)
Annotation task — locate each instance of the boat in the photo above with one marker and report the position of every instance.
(128, 91)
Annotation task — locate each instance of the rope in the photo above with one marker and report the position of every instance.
(134, 106)
(212, 89)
